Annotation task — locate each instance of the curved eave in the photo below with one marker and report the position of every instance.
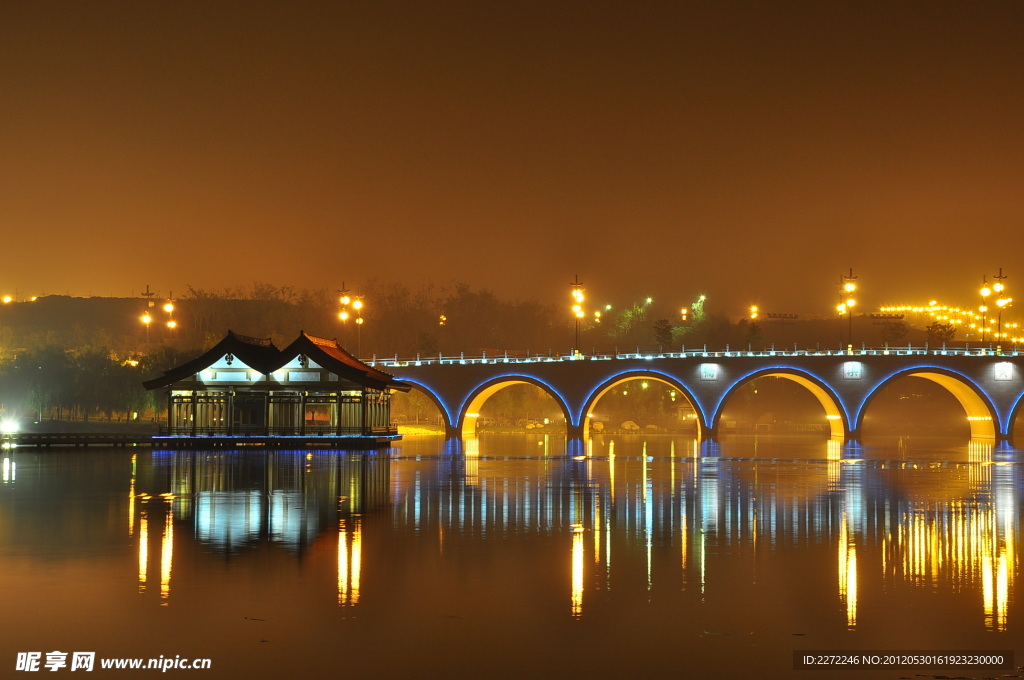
(256, 353)
(332, 356)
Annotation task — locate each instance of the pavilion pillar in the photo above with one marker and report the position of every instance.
(362, 413)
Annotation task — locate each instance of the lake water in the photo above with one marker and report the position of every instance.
(513, 556)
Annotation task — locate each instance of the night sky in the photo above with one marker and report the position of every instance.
(753, 152)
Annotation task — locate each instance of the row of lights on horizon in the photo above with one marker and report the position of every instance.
(352, 308)
(978, 321)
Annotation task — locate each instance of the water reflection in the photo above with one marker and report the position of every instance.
(350, 560)
(450, 540)
(927, 523)
(238, 499)
(622, 506)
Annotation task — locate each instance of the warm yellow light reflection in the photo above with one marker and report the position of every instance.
(166, 556)
(350, 555)
(131, 498)
(848, 572)
(143, 550)
(577, 570)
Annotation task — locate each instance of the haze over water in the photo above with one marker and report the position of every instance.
(514, 556)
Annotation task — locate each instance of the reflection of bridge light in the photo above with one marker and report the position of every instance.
(577, 570)
(847, 561)
(995, 589)
(648, 514)
(472, 459)
(965, 543)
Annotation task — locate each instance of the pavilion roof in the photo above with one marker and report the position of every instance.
(261, 354)
(258, 353)
(336, 359)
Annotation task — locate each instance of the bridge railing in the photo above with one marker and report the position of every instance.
(517, 358)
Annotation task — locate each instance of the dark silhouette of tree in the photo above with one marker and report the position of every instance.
(895, 332)
(940, 333)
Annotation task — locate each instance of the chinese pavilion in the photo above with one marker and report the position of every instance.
(246, 390)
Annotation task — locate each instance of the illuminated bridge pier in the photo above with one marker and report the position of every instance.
(987, 385)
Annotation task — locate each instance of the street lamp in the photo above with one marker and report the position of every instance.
(347, 302)
(847, 286)
(577, 309)
(169, 308)
(357, 305)
(998, 287)
(983, 308)
(146, 317)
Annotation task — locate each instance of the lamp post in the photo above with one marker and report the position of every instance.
(357, 305)
(577, 309)
(983, 308)
(347, 302)
(169, 308)
(998, 287)
(146, 317)
(344, 300)
(847, 286)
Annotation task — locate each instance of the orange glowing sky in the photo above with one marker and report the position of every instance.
(750, 151)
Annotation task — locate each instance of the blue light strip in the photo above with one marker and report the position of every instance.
(435, 398)
(616, 378)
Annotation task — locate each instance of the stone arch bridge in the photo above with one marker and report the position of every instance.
(987, 384)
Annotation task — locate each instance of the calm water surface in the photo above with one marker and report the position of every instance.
(513, 556)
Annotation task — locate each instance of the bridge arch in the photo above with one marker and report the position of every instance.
(436, 400)
(981, 415)
(465, 424)
(838, 420)
(610, 384)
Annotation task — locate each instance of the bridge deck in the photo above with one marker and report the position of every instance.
(520, 358)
